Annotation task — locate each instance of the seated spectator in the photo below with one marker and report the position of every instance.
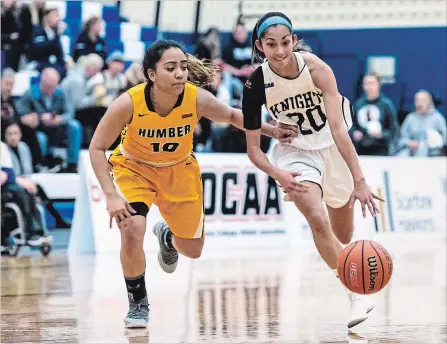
(114, 79)
(45, 48)
(23, 168)
(16, 31)
(21, 192)
(424, 131)
(85, 90)
(375, 124)
(209, 46)
(9, 113)
(89, 40)
(202, 134)
(45, 108)
(237, 59)
(134, 76)
(218, 129)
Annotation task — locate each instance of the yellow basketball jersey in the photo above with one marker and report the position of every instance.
(156, 140)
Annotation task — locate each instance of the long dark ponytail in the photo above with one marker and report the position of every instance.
(200, 72)
(258, 56)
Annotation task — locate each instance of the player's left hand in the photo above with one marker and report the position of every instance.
(363, 193)
(285, 133)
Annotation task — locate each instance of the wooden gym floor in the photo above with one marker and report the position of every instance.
(254, 297)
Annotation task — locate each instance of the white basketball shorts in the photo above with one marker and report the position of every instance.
(325, 167)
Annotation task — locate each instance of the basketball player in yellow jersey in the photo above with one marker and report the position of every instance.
(155, 164)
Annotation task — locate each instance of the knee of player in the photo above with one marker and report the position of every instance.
(195, 253)
(345, 238)
(194, 249)
(129, 233)
(318, 219)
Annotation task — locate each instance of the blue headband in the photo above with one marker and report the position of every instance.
(273, 21)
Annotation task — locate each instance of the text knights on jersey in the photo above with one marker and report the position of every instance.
(300, 101)
(165, 132)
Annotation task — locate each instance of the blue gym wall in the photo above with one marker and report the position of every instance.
(420, 52)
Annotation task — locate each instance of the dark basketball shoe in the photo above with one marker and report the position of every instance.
(167, 257)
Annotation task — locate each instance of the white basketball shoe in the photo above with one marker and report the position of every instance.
(361, 305)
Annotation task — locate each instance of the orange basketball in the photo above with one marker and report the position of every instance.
(365, 267)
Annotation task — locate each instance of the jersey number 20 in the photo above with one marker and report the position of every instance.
(310, 115)
(165, 147)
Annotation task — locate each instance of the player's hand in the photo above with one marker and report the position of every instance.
(363, 193)
(118, 208)
(290, 185)
(285, 133)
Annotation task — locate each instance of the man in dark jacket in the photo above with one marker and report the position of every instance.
(89, 40)
(45, 108)
(375, 126)
(45, 48)
(16, 31)
(9, 113)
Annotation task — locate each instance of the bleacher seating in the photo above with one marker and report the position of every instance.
(130, 38)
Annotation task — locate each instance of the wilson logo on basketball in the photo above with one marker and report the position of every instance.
(353, 275)
(373, 272)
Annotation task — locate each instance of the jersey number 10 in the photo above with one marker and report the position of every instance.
(165, 147)
(310, 116)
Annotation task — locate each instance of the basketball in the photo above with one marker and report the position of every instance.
(365, 267)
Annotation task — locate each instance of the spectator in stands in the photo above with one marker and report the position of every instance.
(114, 79)
(23, 168)
(45, 108)
(134, 76)
(20, 191)
(9, 113)
(209, 46)
(375, 124)
(89, 40)
(237, 58)
(218, 130)
(424, 131)
(37, 8)
(16, 31)
(85, 90)
(45, 48)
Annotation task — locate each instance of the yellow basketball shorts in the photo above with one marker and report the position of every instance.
(176, 190)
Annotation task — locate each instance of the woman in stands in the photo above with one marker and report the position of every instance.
(300, 90)
(155, 164)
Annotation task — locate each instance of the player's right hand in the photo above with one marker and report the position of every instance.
(118, 208)
(285, 133)
(290, 185)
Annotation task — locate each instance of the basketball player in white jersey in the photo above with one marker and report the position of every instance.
(299, 89)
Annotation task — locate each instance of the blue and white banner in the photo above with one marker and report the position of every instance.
(244, 208)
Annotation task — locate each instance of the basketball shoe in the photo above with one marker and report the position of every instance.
(361, 305)
(167, 257)
(138, 314)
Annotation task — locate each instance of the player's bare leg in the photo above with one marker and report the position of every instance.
(133, 263)
(342, 223)
(310, 205)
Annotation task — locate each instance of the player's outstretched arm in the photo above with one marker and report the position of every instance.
(324, 79)
(212, 108)
(115, 119)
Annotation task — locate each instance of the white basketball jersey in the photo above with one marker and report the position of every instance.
(298, 102)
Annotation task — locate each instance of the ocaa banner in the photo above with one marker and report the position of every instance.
(243, 207)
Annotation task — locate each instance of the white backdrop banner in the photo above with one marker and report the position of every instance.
(244, 208)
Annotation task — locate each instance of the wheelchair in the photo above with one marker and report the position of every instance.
(13, 228)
